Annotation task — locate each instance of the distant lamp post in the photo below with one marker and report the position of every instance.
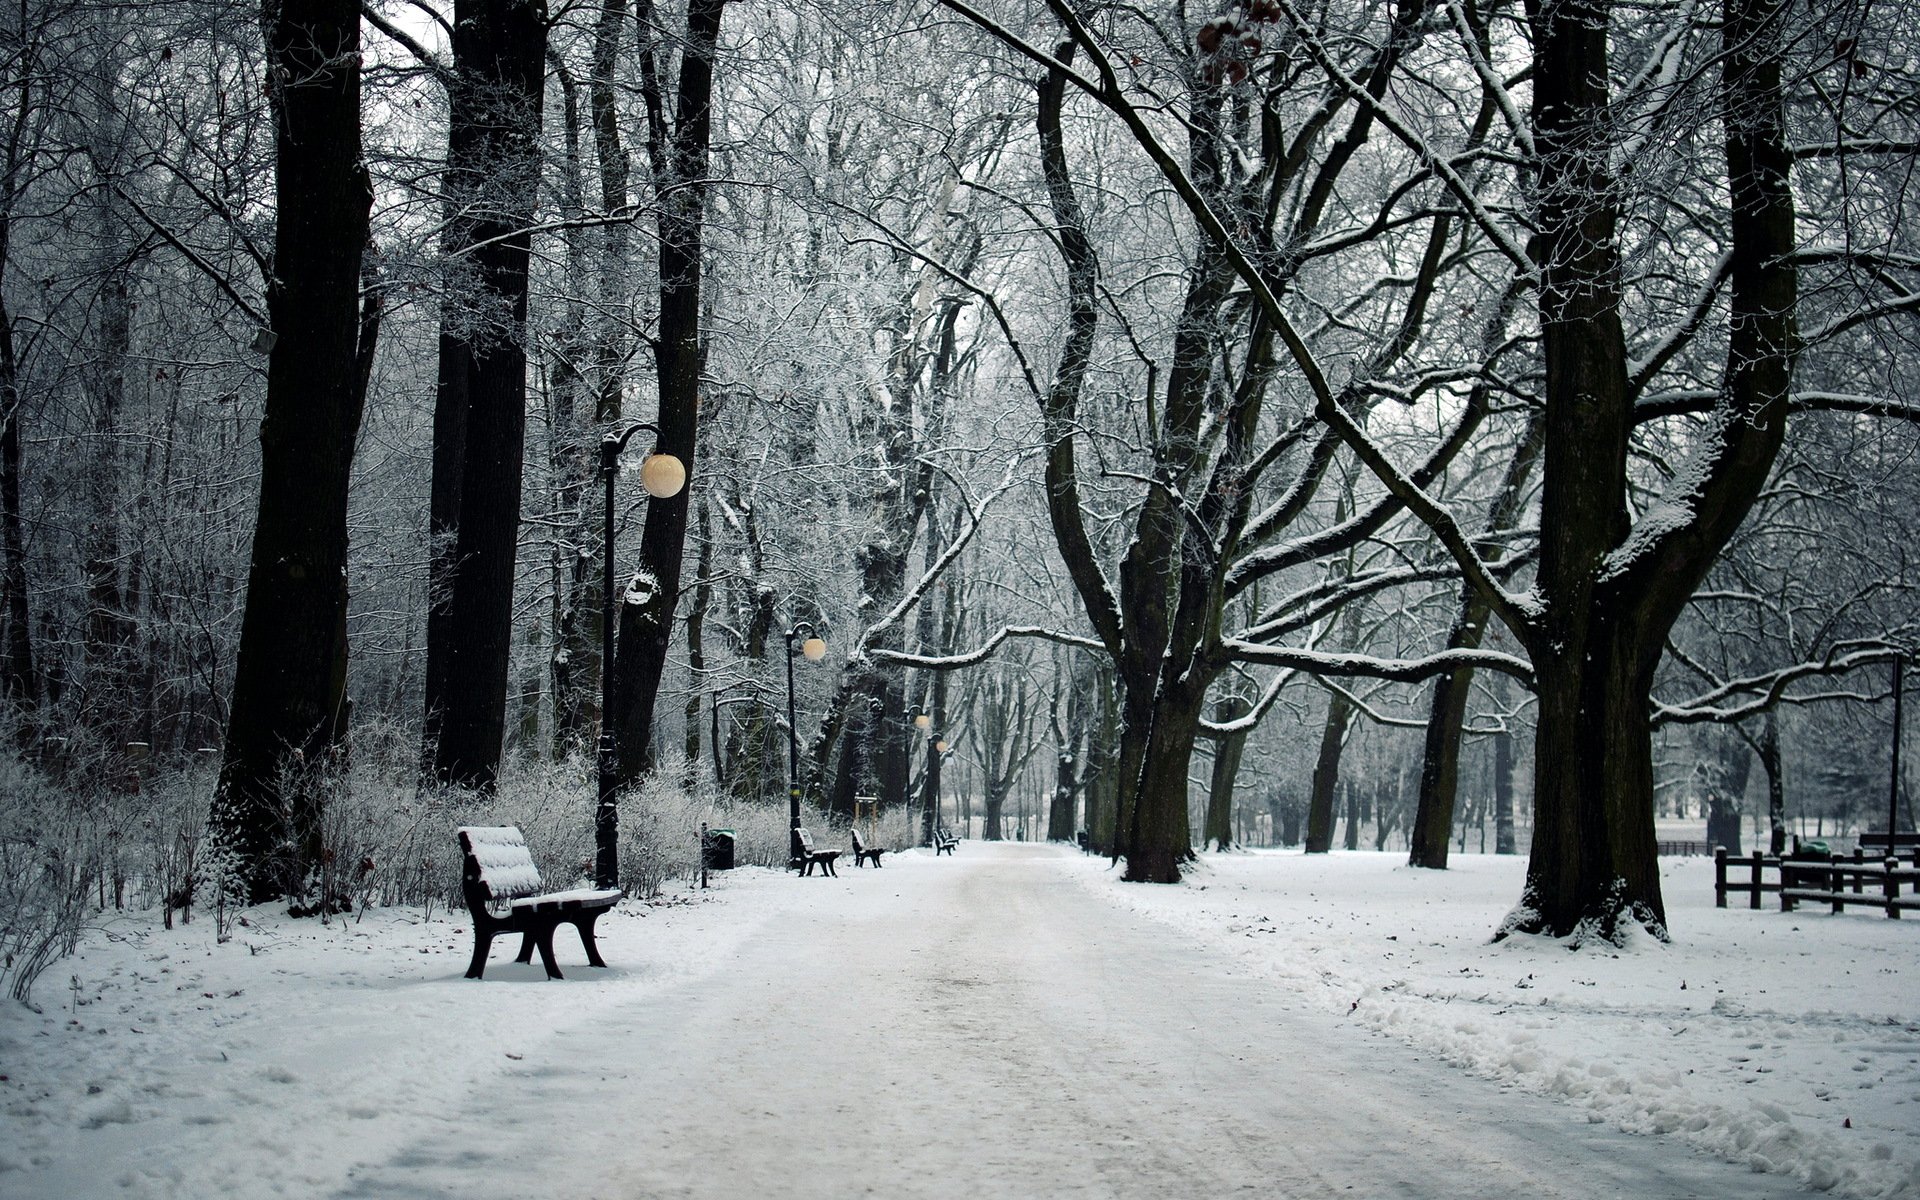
(813, 649)
(662, 475)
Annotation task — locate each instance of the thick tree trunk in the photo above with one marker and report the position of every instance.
(1103, 741)
(1593, 868)
(1326, 775)
(1218, 831)
(19, 682)
(574, 663)
(1162, 835)
(1776, 784)
(696, 649)
(679, 156)
(1594, 864)
(287, 694)
(1726, 802)
(1432, 834)
(1503, 837)
(499, 54)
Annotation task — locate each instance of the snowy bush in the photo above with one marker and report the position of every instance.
(50, 868)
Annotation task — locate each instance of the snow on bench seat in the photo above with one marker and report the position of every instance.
(580, 896)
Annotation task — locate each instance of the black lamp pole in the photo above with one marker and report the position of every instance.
(606, 816)
(806, 638)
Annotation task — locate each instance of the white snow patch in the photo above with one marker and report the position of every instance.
(1786, 1041)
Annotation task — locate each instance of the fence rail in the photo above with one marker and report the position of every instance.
(1883, 882)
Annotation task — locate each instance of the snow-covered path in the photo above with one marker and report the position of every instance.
(992, 1028)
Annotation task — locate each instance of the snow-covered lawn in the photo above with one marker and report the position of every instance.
(165, 1064)
(1789, 1041)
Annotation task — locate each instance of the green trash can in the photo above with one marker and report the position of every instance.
(717, 854)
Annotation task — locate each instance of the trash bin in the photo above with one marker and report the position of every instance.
(717, 854)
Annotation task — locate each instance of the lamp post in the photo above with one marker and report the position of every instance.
(662, 475)
(814, 649)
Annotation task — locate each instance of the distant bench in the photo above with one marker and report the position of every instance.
(944, 841)
(863, 852)
(505, 894)
(1860, 881)
(806, 858)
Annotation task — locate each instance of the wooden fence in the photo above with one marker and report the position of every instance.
(1884, 882)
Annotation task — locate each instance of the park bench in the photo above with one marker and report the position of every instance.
(944, 841)
(862, 852)
(505, 894)
(806, 858)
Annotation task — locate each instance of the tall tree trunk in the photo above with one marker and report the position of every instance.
(678, 152)
(1440, 761)
(493, 169)
(19, 682)
(1503, 838)
(1218, 834)
(574, 663)
(697, 650)
(1326, 775)
(1162, 835)
(1593, 867)
(1102, 766)
(1776, 784)
(1726, 796)
(286, 692)
(111, 630)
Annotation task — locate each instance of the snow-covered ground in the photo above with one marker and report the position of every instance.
(301, 1059)
(1787, 1041)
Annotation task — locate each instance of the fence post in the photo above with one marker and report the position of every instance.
(703, 854)
(1753, 897)
(1786, 882)
(1892, 884)
(1719, 876)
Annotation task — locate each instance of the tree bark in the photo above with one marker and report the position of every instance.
(19, 682)
(286, 694)
(1607, 614)
(493, 167)
(1326, 775)
(1218, 832)
(1776, 784)
(678, 150)
(1503, 837)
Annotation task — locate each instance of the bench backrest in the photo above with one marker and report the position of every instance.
(859, 847)
(498, 865)
(805, 839)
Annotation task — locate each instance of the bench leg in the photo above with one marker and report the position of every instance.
(545, 942)
(585, 925)
(828, 864)
(527, 942)
(482, 942)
